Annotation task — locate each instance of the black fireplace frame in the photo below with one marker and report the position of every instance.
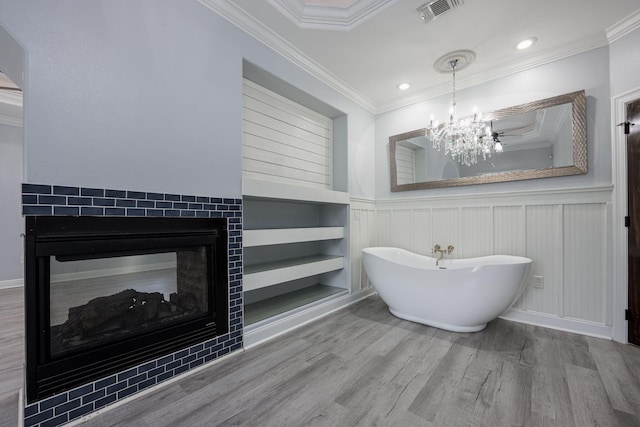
(88, 237)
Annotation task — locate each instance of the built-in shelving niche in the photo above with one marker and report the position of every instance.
(296, 206)
(295, 249)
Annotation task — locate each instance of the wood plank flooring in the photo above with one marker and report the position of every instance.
(362, 366)
(11, 353)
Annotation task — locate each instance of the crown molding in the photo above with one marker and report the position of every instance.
(243, 20)
(624, 27)
(333, 18)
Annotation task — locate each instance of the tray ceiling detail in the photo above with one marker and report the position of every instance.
(335, 15)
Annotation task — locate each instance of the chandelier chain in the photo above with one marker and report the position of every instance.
(453, 64)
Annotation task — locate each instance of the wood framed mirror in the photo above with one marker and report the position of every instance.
(540, 139)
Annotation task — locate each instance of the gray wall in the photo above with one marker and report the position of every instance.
(588, 71)
(144, 95)
(625, 63)
(11, 222)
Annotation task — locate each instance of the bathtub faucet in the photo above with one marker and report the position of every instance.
(437, 249)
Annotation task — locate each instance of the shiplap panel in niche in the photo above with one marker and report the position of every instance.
(291, 144)
(585, 250)
(314, 130)
(281, 169)
(259, 155)
(405, 165)
(261, 145)
(284, 141)
(263, 124)
(477, 230)
(544, 246)
(261, 94)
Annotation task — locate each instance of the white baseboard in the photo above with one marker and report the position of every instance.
(258, 335)
(15, 283)
(576, 326)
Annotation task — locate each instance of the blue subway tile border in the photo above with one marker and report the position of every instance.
(52, 200)
(67, 191)
(121, 194)
(93, 192)
(36, 189)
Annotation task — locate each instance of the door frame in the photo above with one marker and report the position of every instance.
(620, 331)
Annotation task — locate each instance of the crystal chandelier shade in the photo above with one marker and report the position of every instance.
(465, 139)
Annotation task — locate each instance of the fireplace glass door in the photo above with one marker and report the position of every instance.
(102, 300)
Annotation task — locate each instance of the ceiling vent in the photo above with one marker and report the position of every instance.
(430, 11)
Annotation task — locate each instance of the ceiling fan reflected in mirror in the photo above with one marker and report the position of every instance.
(496, 134)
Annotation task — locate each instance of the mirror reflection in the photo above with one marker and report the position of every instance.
(535, 140)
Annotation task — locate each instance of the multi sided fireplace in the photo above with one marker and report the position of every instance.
(107, 293)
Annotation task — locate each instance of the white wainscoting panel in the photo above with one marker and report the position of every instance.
(446, 228)
(508, 230)
(585, 253)
(564, 232)
(383, 231)
(400, 228)
(543, 228)
(509, 233)
(421, 227)
(477, 231)
(363, 235)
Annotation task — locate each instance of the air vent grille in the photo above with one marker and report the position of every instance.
(431, 10)
(440, 6)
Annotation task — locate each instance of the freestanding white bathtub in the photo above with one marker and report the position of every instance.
(459, 295)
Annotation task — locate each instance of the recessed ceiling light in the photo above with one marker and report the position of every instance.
(404, 86)
(526, 43)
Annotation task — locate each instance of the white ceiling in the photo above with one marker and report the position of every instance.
(369, 56)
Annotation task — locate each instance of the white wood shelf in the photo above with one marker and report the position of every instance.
(268, 274)
(280, 191)
(279, 236)
(276, 306)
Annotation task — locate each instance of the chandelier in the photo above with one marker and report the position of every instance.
(466, 139)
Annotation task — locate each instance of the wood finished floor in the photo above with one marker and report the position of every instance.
(362, 366)
(11, 353)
